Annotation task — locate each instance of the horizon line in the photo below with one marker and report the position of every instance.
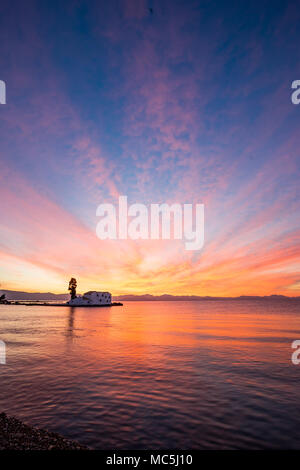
(159, 295)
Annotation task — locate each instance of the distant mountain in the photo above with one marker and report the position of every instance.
(19, 295)
(169, 297)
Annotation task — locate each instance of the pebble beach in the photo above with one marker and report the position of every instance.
(16, 435)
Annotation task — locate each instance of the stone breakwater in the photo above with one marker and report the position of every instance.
(15, 435)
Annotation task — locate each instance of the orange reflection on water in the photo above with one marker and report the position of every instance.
(185, 374)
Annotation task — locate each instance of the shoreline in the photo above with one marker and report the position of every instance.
(16, 435)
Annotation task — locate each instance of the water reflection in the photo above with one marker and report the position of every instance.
(156, 374)
(70, 325)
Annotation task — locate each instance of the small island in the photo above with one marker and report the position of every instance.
(88, 299)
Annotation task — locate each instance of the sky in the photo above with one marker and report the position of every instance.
(188, 104)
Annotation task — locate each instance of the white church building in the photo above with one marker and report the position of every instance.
(91, 298)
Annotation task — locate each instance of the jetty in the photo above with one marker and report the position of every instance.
(47, 304)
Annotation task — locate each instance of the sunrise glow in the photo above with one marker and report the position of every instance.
(205, 119)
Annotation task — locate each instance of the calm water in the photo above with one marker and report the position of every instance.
(186, 375)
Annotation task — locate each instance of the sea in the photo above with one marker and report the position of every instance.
(207, 374)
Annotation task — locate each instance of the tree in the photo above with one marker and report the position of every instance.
(72, 287)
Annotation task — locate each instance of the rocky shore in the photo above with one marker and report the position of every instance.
(15, 435)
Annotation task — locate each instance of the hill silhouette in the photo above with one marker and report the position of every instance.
(48, 296)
